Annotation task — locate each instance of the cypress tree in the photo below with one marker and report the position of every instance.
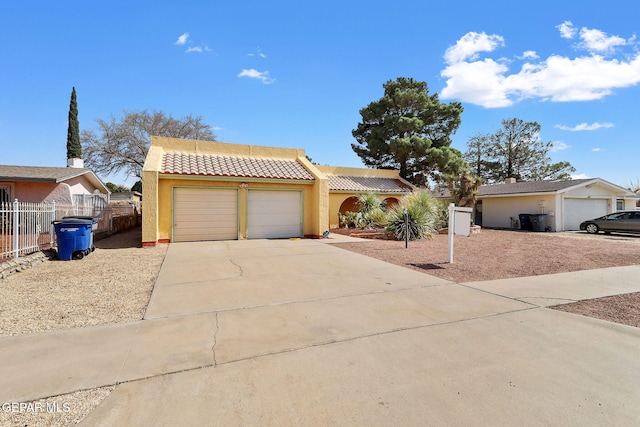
(74, 149)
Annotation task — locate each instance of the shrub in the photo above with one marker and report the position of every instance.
(376, 218)
(368, 202)
(347, 219)
(370, 214)
(422, 210)
(442, 220)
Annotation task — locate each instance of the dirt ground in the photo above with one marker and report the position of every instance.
(111, 285)
(499, 254)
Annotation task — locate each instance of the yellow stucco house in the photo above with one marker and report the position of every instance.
(203, 190)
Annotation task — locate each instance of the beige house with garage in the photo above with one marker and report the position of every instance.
(204, 190)
(562, 205)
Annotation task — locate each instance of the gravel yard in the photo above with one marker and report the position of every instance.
(498, 254)
(111, 285)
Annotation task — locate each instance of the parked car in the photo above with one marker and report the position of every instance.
(623, 222)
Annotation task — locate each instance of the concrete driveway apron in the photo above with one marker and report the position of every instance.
(272, 296)
(308, 334)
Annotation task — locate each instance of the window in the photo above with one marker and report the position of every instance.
(617, 215)
(5, 193)
(620, 204)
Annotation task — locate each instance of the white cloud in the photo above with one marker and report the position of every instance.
(586, 126)
(258, 53)
(592, 40)
(596, 150)
(191, 48)
(559, 146)
(263, 76)
(567, 31)
(479, 82)
(529, 54)
(580, 176)
(470, 45)
(198, 49)
(182, 39)
(599, 41)
(487, 82)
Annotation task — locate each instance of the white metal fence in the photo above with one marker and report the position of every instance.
(27, 227)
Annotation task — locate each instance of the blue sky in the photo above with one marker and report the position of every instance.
(295, 74)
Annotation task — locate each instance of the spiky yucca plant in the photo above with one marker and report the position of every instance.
(368, 202)
(422, 211)
(377, 218)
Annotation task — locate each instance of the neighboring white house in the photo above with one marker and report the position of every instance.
(565, 204)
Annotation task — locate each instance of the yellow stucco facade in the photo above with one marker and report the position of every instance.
(320, 205)
(345, 200)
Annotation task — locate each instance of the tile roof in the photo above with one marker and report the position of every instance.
(39, 173)
(242, 167)
(529, 187)
(362, 183)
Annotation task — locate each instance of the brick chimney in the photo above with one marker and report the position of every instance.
(510, 181)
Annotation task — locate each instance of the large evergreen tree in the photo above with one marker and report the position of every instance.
(74, 149)
(514, 151)
(409, 130)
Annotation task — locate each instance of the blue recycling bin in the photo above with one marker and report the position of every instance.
(74, 238)
(94, 225)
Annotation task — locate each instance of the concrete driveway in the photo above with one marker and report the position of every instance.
(297, 332)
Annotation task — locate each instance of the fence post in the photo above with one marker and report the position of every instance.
(15, 228)
(53, 218)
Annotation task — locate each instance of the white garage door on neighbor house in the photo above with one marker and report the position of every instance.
(274, 214)
(578, 210)
(205, 214)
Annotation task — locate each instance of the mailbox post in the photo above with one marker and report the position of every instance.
(459, 224)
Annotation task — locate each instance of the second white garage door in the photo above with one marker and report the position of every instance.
(578, 210)
(204, 214)
(274, 214)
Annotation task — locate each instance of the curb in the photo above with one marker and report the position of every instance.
(7, 268)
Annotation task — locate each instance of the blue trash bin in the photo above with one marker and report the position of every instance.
(94, 225)
(74, 238)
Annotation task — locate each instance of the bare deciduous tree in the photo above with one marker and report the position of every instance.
(634, 185)
(121, 143)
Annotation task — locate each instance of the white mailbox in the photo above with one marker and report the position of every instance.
(459, 224)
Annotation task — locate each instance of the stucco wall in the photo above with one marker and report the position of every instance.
(81, 185)
(165, 200)
(36, 192)
(224, 148)
(367, 172)
(497, 212)
(337, 199)
(320, 207)
(601, 191)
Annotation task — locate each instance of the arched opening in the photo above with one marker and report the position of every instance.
(349, 205)
(390, 202)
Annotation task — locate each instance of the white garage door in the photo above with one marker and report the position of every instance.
(204, 214)
(578, 210)
(274, 214)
